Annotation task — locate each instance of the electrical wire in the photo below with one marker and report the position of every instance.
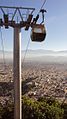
(3, 52)
(25, 52)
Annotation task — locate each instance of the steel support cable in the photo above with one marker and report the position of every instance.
(41, 10)
(42, 6)
(3, 52)
(29, 38)
(25, 52)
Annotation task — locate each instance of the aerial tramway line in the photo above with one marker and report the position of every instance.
(38, 34)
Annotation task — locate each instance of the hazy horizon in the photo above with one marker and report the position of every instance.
(38, 55)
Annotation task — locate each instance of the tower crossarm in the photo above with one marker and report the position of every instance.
(19, 16)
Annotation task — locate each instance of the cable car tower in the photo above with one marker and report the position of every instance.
(38, 33)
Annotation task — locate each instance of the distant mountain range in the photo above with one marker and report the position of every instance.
(39, 55)
(41, 52)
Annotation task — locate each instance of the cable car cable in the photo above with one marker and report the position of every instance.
(39, 30)
(42, 6)
(25, 52)
(41, 10)
(3, 51)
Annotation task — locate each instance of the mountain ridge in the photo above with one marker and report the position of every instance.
(39, 53)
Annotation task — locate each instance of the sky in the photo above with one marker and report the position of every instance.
(55, 22)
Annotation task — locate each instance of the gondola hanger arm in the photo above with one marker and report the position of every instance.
(43, 11)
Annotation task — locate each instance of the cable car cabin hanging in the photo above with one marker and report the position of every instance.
(38, 33)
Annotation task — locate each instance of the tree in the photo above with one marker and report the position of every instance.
(41, 109)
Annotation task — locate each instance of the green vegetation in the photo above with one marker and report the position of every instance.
(7, 111)
(64, 106)
(43, 108)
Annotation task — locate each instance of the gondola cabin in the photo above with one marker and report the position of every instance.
(38, 33)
